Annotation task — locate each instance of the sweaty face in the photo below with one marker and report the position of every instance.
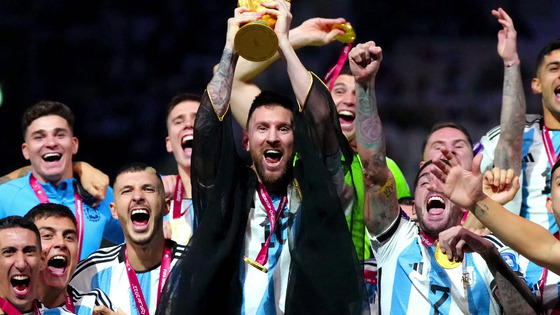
(49, 146)
(139, 205)
(20, 261)
(454, 140)
(59, 241)
(344, 97)
(547, 83)
(435, 212)
(270, 142)
(180, 124)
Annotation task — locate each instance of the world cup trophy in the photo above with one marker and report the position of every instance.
(256, 41)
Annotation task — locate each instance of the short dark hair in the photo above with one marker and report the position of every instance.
(266, 98)
(179, 98)
(137, 167)
(446, 124)
(426, 164)
(547, 49)
(46, 108)
(556, 165)
(47, 210)
(16, 221)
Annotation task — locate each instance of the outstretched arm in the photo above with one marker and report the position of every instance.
(513, 293)
(507, 154)
(382, 206)
(312, 32)
(464, 189)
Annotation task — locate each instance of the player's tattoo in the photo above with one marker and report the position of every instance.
(219, 88)
(512, 121)
(480, 209)
(380, 185)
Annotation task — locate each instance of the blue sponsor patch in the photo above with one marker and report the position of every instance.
(511, 260)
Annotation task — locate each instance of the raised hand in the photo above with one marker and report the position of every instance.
(316, 32)
(365, 60)
(500, 185)
(456, 241)
(462, 187)
(507, 37)
(281, 10)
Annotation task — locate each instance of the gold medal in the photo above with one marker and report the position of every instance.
(180, 231)
(255, 264)
(443, 261)
(349, 34)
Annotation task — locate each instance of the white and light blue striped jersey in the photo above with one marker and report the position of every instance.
(84, 303)
(411, 282)
(265, 293)
(105, 270)
(535, 177)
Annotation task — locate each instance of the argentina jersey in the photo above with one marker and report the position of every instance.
(105, 270)
(535, 178)
(262, 290)
(411, 282)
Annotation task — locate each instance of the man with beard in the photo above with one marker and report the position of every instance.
(132, 274)
(272, 239)
(412, 273)
(59, 241)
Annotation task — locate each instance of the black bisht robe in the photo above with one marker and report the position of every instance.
(325, 275)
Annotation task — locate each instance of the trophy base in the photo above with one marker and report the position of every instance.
(256, 41)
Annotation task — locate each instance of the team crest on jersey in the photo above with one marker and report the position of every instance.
(91, 214)
(468, 278)
(511, 260)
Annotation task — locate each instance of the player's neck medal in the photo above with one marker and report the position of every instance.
(443, 261)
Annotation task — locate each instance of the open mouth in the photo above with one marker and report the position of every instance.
(57, 265)
(435, 205)
(140, 216)
(272, 156)
(20, 283)
(187, 141)
(52, 157)
(557, 92)
(346, 116)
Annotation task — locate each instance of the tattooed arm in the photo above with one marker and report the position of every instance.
(464, 188)
(20, 172)
(219, 88)
(381, 206)
(512, 121)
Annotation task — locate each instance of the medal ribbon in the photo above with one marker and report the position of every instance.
(426, 240)
(135, 285)
(273, 217)
(550, 152)
(542, 281)
(178, 199)
(70, 304)
(9, 309)
(334, 71)
(42, 196)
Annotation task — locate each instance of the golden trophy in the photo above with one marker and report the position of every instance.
(256, 41)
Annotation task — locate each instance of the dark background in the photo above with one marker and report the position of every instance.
(118, 63)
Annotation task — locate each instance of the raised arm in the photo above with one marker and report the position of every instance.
(312, 32)
(527, 238)
(381, 207)
(507, 154)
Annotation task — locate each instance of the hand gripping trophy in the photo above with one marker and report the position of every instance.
(256, 41)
